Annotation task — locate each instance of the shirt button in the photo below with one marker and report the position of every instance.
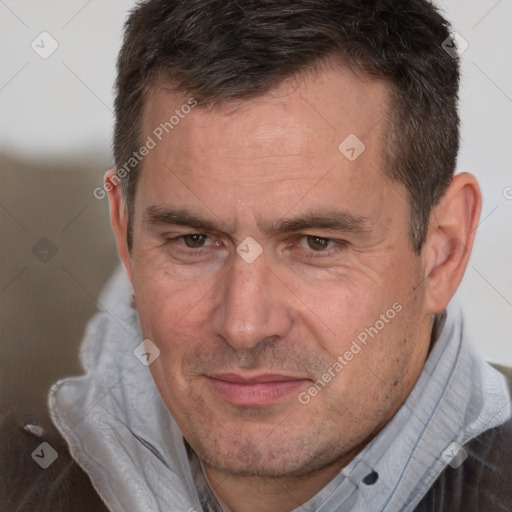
(371, 478)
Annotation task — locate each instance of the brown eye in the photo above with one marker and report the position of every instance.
(194, 241)
(317, 243)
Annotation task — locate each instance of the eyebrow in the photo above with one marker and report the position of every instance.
(333, 220)
(162, 215)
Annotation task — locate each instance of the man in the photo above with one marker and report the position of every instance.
(292, 232)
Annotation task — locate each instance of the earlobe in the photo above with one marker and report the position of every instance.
(453, 224)
(119, 218)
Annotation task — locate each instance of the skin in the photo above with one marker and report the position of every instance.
(244, 166)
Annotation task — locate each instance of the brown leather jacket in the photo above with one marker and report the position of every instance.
(482, 483)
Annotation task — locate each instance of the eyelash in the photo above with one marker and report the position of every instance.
(190, 250)
(309, 254)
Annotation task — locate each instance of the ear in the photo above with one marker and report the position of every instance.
(451, 233)
(119, 219)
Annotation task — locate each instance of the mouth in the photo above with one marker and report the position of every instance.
(254, 390)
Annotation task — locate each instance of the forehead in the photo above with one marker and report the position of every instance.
(311, 111)
(287, 139)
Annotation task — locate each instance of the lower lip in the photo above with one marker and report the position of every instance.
(254, 394)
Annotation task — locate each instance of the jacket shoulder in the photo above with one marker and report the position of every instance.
(37, 471)
(483, 481)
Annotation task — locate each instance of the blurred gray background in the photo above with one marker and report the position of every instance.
(57, 249)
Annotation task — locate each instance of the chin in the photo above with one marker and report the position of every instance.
(262, 452)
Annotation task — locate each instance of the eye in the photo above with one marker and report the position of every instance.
(194, 240)
(315, 247)
(190, 248)
(317, 243)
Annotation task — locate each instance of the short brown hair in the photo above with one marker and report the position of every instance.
(219, 50)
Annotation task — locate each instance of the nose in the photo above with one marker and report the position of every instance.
(251, 305)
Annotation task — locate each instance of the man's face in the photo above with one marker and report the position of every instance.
(249, 345)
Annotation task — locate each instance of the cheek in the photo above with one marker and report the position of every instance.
(372, 324)
(336, 310)
(392, 351)
(171, 311)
